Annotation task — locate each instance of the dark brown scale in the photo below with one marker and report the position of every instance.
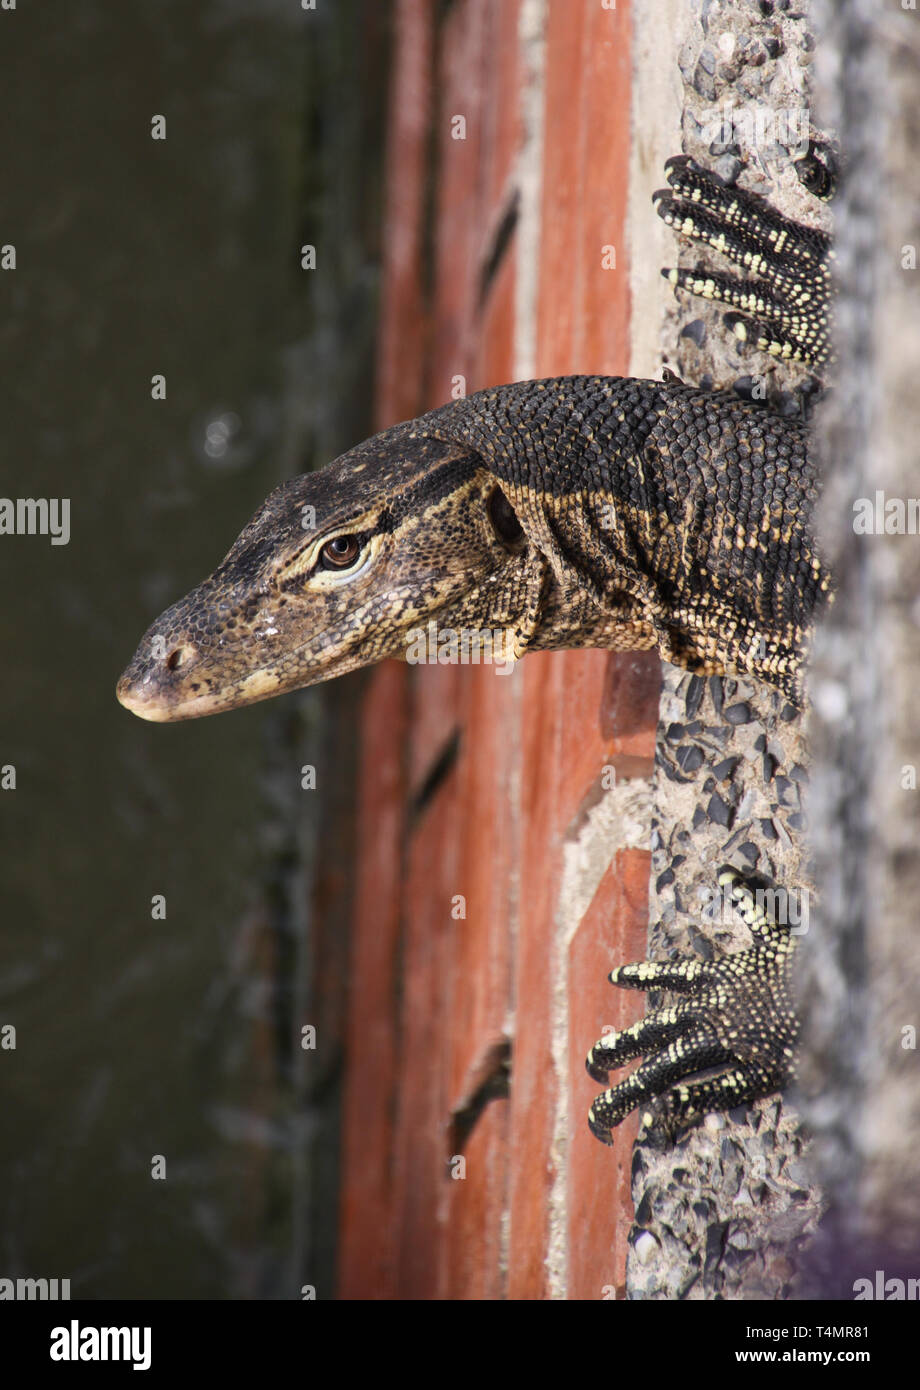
(675, 448)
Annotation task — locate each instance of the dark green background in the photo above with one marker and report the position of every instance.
(138, 1037)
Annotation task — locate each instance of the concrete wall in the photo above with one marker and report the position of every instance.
(501, 869)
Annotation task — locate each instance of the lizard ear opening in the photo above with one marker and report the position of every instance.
(504, 519)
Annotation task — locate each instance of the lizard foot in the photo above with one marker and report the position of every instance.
(736, 1021)
(785, 295)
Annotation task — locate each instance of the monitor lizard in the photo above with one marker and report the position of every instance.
(578, 511)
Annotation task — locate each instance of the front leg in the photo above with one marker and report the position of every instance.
(785, 292)
(735, 1019)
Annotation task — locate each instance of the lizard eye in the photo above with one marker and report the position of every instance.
(340, 553)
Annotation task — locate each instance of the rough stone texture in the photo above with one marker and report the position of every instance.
(863, 963)
(728, 1211)
(732, 1203)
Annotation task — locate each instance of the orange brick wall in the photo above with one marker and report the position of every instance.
(433, 999)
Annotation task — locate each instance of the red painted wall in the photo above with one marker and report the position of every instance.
(431, 997)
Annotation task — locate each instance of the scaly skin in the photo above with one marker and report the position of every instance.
(645, 514)
(580, 511)
(735, 1019)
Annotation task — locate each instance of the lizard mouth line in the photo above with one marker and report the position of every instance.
(148, 701)
(157, 710)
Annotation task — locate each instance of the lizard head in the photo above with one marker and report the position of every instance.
(336, 570)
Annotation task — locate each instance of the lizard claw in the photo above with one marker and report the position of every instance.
(786, 290)
(735, 1020)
